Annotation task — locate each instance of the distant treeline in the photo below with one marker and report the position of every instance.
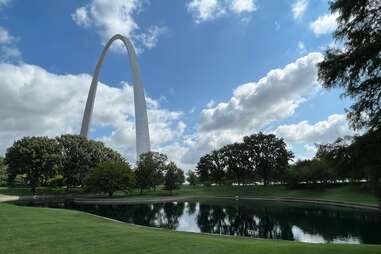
(265, 158)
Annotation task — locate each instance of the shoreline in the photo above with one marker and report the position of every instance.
(137, 200)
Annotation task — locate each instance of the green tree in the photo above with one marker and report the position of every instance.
(357, 66)
(192, 178)
(366, 152)
(174, 177)
(79, 155)
(236, 163)
(3, 172)
(36, 157)
(211, 167)
(150, 170)
(110, 176)
(268, 156)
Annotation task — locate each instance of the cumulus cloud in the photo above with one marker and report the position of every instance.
(34, 101)
(252, 107)
(239, 6)
(324, 131)
(299, 7)
(324, 24)
(206, 10)
(274, 97)
(117, 16)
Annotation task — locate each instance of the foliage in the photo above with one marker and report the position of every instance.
(192, 178)
(268, 155)
(110, 176)
(211, 167)
(3, 172)
(79, 155)
(312, 171)
(259, 157)
(56, 181)
(357, 66)
(174, 177)
(150, 170)
(36, 157)
(347, 159)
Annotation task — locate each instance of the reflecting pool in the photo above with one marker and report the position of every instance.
(260, 219)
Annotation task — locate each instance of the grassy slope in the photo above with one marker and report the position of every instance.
(44, 230)
(349, 193)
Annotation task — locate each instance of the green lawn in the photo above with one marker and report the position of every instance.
(44, 230)
(348, 193)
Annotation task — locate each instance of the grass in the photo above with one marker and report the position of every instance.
(348, 193)
(30, 230)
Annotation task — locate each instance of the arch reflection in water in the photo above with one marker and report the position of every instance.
(296, 222)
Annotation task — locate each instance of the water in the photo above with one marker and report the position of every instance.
(259, 219)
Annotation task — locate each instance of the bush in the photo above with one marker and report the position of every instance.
(110, 176)
(57, 181)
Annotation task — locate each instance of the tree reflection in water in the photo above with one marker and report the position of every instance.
(269, 220)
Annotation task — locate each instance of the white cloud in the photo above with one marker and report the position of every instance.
(324, 131)
(239, 6)
(8, 51)
(117, 16)
(34, 101)
(206, 10)
(324, 24)
(5, 37)
(299, 7)
(10, 54)
(274, 97)
(81, 17)
(253, 106)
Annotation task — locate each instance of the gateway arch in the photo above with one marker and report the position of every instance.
(141, 121)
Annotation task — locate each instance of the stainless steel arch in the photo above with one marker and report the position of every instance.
(141, 121)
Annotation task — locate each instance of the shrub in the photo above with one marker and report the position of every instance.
(110, 176)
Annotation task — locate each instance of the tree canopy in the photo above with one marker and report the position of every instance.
(110, 176)
(262, 157)
(356, 66)
(150, 170)
(174, 177)
(36, 157)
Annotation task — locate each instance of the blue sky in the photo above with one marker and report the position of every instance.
(213, 71)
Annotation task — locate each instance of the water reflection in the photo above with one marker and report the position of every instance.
(271, 220)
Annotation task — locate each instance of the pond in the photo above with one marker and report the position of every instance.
(259, 219)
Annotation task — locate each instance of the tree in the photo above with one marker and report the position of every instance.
(36, 157)
(3, 172)
(149, 171)
(79, 155)
(192, 178)
(357, 66)
(236, 165)
(211, 167)
(268, 156)
(174, 177)
(110, 176)
(366, 152)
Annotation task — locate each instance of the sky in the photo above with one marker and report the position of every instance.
(214, 71)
